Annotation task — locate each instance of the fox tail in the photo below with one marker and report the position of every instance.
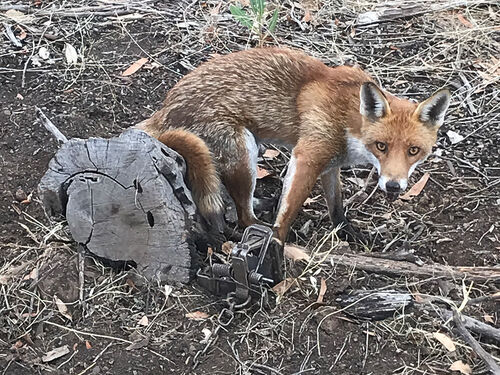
(202, 176)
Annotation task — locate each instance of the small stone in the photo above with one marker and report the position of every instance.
(20, 195)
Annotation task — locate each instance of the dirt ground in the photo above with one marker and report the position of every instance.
(454, 220)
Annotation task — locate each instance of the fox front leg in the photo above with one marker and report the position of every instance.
(332, 188)
(306, 163)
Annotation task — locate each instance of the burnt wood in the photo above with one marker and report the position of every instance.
(125, 199)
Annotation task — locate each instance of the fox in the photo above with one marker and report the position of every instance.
(217, 115)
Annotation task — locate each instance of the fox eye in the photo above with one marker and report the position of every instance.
(381, 146)
(413, 150)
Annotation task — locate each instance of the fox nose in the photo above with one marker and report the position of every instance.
(392, 187)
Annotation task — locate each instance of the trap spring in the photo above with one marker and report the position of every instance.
(256, 263)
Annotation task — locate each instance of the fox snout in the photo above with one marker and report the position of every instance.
(392, 186)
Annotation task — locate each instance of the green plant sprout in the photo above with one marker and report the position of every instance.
(256, 19)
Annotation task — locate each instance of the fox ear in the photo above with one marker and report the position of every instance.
(373, 104)
(431, 111)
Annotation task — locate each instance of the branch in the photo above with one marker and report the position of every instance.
(478, 349)
(49, 125)
(403, 268)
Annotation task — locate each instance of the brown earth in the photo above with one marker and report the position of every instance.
(454, 221)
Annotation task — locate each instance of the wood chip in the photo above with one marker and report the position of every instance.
(261, 172)
(464, 368)
(227, 247)
(135, 67)
(322, 291)
(488, 318)
(144, 321)
(445, 340)
(138, 344)
(296, 253)
(197, 315)
(283, 286)
(417, 188)
(270, 153)
(71, 54)
(464, 21)
(307, 16)
(63, 309)
(55, 353)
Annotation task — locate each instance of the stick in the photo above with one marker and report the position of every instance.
(49, 125)
(478, 349)
(475, 325)
(81, 275)
(402, 268)
(471, 324)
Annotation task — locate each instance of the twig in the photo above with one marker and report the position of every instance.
(60, 137)
(11, 36)
(403, 268)
(81, 275)
(474, 344)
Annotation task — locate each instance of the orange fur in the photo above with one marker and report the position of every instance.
(201, 173)
(277, 94)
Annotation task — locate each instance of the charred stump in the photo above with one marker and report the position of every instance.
(125, 200)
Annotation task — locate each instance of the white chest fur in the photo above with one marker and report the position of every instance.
(358, 154)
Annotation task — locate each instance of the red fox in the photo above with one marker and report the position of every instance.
(216, 116)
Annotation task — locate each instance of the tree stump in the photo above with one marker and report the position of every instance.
(125, 199)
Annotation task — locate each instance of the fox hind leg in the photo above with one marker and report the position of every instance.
(240, 175)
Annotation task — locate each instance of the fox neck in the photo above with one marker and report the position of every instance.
(358, 154)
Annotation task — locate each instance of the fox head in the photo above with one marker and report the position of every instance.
(399, 134)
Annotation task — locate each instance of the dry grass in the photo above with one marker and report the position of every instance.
(455, 46)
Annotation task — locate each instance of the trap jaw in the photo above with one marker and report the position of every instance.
(256, 262)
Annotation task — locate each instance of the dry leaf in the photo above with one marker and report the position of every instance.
(488, 318)
(307, 16)
(296, 253)
(138, 344)
(55, 353)
(19, 344)
(227, 247)
(445, 340)
(322, 291)
(131, 284)
(454, 137)
(308, 201)
(87, 344)
(19, 17)
(71, 54)
(417, 188)
(197, 315)
(43, 52)
(134, 67)
(464, 368)
(206, 335)
(63, 309)
(282, 287)
(357, 181)
(261, 172)
(168, 290)
(270, 154)
(418, 298)
(464, 20)
(144, 321)
(33, 275)
(22, 33)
